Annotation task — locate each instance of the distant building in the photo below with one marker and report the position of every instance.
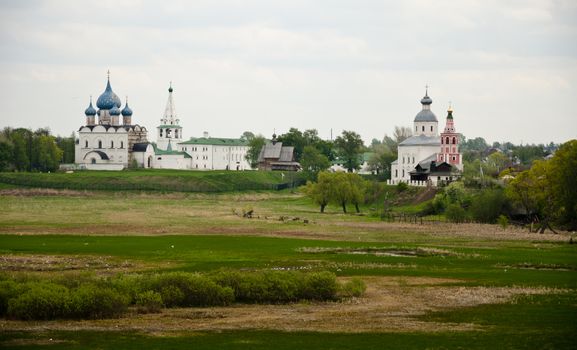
(275, 156)
(107, 141)
(427, 158)
(111, 143)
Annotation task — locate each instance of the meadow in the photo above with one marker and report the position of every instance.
(435, 285)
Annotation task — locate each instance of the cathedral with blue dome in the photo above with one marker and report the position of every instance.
(109, 140)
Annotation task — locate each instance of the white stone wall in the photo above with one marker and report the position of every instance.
(112, 142)
(409, 157)
(172, 161)
(216, 157)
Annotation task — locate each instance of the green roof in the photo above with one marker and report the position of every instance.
(161, 152)
(215, 141)
(169, 126)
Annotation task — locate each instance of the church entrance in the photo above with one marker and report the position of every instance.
(149, 163)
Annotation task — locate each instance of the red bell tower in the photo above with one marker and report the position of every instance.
(450, 144)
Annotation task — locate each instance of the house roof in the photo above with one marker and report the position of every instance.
(214, 141)
(161, 152)
(140, 147)
(422, 140)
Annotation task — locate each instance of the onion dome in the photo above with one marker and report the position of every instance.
(450, 112)
(126, 111)
(108, 99)
(90, 111)
(426, 115)
(114, 110)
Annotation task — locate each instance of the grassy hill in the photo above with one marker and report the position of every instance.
(155, 180)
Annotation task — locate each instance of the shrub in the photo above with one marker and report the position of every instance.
(319, 286)
(8, 290)
(353, 288)
(503, 221)
(148, 302)
(186, 289)
(402, 187)
(91, 301)
(487, 206)
(454, 213)
(43, 301)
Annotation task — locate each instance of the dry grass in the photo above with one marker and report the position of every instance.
(390, 304)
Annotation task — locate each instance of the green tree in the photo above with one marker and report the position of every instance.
(247, 136)
(322, 191)
(350, 147)
(294, 137)
(66, 144)
(563, 168)
(381, 159)
(313, 162)
(254, 147)
(20, 150)
(6, 152)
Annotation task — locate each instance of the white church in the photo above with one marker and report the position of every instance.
(426, 158)
(109, 142)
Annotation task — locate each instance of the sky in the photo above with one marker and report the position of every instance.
(508, 68)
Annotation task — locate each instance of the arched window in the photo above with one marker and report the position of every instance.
(160, 132)
(111, 144)
(403, 172)
(99, 144)
(86, 144)
(431, 128)
(93, 161)
(423, 128)
(176, 133)
(121, 144)
(447, 140)
(396, 173)
(454, 140)
(416, 129)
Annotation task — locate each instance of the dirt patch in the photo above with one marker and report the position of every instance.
(102, 265)
(395, 252)
(390, 304)
(35, 192)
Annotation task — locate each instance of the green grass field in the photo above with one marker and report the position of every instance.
(436, 286)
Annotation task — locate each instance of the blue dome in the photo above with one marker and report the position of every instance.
(126, 111)
(114, 110)
(108, 99)
(90, 111)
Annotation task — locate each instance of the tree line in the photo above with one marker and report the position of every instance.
(26, 150)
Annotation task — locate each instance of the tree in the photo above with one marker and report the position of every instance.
(20, 150)
(6, 153)
(313, 162)
(247, 136)
(254, 147)
(381, 159)
(350, 146)
(66, 144)
(563, 167)
(402, 133)
(322, 191)
(294, 137)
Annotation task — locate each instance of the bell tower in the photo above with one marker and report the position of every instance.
(169, 131)
(450, 144)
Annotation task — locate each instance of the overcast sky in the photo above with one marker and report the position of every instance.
(508, 67)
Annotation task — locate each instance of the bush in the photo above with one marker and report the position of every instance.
(487, 206)
(186, 289)
(454, 213)
(353, 288)
(503, 221)
(8, 290)
(148, 302)
(319, 286)
(43, 301)
(91, 301)
(402, 187)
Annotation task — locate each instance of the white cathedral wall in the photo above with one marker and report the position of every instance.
(214, 157)
(170, 161)
(409, 157)
(116, 154)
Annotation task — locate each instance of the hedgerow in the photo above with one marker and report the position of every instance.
(92, 297)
